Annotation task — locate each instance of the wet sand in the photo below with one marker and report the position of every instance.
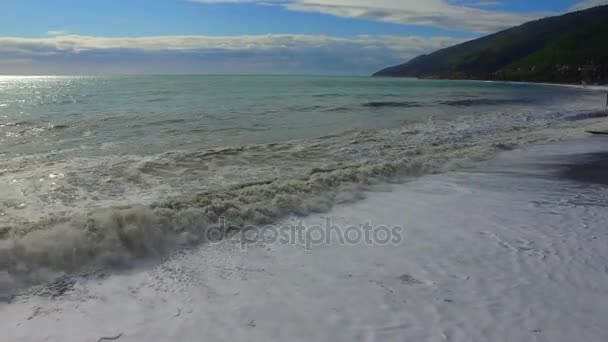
(588, 168)
(592, 168)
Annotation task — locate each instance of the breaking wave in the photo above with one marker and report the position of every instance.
(587, 115)
(404, 104)
(277, 180)
(483, 102)
(451, 103)
(117, 236)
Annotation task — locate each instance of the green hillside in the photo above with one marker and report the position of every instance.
(571, 48)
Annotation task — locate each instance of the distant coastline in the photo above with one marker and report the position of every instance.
(594, 87)
(569, 49)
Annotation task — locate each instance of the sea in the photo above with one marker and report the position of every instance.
(101, 171)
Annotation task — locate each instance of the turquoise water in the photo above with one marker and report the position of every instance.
(153, 114)
(104, 170)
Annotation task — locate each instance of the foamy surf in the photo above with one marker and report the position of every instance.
(40, 251)
(507, 250)
(86, 190)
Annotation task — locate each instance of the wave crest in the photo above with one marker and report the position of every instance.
(117, 236)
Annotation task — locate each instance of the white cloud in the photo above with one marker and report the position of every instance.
(209, 54)
(588, 4)
(78, 43)
(55, 33)
(448, 14)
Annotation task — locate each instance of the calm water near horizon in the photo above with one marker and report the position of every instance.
(152, 114)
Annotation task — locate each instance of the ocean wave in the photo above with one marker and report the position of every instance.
(189, 191)
(16, 124)
(165, 122)
(452, 103)
(329, 95)
(339, 109)
(404, 104)
(588, 115)
(42, 251)
(484, 102)
(24, 126)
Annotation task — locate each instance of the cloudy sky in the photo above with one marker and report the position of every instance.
(246, 36)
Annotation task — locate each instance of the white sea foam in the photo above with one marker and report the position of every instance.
(69, 206)
(118, 235)
(504, 251)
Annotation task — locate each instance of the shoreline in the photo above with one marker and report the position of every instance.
(408, 151)
(569, 85)
(577, 86)
(588, 168)
(497, 224)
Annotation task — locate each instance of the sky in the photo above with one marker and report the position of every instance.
(351, 37)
